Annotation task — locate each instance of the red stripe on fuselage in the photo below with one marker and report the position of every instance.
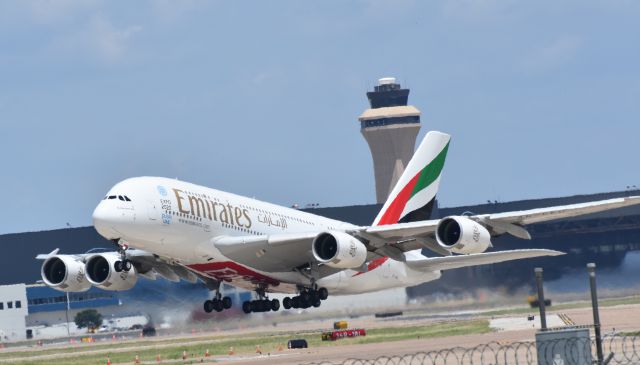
(229, 271)
(373, 265)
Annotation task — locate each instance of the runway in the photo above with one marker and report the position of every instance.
(620, 318)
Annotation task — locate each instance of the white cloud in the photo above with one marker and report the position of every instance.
(551, 56)
(98, 39)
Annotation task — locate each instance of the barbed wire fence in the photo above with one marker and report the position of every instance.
(618, 350)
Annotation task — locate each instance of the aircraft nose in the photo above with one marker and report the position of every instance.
(103, 221)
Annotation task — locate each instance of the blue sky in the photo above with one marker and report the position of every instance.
(262, 98)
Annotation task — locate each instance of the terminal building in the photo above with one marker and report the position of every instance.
(609, 239)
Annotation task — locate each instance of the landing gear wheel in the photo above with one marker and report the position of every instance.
(317, 303)
(323, 293)
(254, 305)
(275, 305)
(126, 265)
(226, 302)
(304, 303)
(208, 306)
(246, 307)
(295, 302)
(266, 305)
(304, 296)
(217, 305)
(286, 303)
(313, 296)
(118, 266)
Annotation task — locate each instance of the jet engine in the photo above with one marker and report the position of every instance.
(339, 250)
(65, 273)
(101, 273)
(462, 235)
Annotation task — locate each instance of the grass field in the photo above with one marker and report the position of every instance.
(147, 350)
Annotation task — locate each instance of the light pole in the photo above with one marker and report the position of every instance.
(67, 315)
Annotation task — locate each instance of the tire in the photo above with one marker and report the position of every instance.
(323, 293)
(304, 296)
(226, 302)
(255, 306)
(218, 306)
(208, 306)
(317, 303)
(286, 303)
(313, 296)
(266, 305)
(304, 303)
(117, 266)
(246, 307)
(275, 305)
(126, 265)
(295, 302)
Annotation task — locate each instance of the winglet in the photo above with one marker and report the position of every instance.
(44, 256)
(414, 194)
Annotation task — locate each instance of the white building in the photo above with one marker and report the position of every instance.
(13, 312)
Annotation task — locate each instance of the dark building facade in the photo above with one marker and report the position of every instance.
(610, 239)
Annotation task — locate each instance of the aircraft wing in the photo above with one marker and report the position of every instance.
(151, 266)
(564, 211)
(272, 253)
(292, 251)
(458, 261)
(393, 239)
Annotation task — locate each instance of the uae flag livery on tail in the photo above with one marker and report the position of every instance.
(413, 196)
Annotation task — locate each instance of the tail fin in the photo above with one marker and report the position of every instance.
(413, 196)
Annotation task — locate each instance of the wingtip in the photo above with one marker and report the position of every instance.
(556, 253)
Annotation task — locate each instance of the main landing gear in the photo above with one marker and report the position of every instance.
(123, 264)
(308, 297)
(263, 304)
(218, 304)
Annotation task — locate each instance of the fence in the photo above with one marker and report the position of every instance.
(618, 350)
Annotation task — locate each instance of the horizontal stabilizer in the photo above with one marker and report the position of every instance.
(458, 261)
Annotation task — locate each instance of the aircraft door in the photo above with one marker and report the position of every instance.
(153, 211)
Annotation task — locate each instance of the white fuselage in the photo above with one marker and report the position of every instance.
(180, 221)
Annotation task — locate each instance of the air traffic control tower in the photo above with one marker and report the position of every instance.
(390, 127)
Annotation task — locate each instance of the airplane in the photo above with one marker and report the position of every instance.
(177, 230)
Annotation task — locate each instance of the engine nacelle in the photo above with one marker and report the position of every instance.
(339, 250)
(462, 235)
(101, 273)
(65, 273)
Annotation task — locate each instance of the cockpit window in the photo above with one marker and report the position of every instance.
(127, 198)
(120, 197)
(112, 197)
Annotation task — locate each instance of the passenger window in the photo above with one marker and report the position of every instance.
(1, 306)
(9, 305)
(18, 304)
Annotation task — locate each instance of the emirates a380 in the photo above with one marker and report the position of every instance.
(176, 230)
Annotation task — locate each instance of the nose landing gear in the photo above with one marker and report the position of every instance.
(123, 264)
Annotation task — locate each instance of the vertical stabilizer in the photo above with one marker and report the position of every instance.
(413, 196)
